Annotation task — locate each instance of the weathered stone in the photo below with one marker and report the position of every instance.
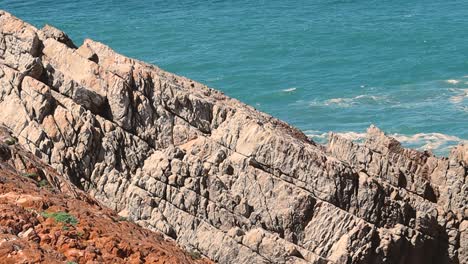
(219, 177)
(49, 31)
(87, 53)
(45, 219)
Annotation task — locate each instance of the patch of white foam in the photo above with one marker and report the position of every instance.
(338, 101)
(322, 137)
(214, 79)
(292, 89)
(316, 134)
(428, 141)
(461, 95)
(354, 136)
(348, 101)
(436, 142)
(452, 81)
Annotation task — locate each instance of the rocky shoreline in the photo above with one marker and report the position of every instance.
(218, 176)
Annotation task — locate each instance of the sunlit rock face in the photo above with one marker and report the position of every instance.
(217, 176)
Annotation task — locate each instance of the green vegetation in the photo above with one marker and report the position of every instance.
(43, 183)
(71, 262)
(195, 255)
(61, 217)
(122, 218)
(10, 141)
(30, 175)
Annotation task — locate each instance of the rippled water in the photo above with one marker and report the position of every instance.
(319, 65)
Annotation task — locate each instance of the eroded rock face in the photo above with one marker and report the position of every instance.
(216, 175)
(45, 219)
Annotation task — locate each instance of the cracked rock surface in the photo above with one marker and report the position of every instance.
(216, 175)
(46, 219)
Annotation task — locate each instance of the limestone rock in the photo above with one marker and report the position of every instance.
(45, 219)
(219, 177)
(49, 31)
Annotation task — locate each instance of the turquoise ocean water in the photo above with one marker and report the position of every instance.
(319, 65)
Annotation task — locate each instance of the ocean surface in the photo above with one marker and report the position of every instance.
(319, 65)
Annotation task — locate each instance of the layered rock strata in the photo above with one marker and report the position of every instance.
(45, 219)
(214, 174)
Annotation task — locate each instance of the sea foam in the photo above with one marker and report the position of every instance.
(452, 81)
(349, 101)
(292, 89)
(461, 95)
(437, 142)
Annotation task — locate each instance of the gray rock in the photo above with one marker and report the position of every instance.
(49, 31)
(216, 175)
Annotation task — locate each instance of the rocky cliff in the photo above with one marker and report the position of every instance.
(46, 219)
(214, 174)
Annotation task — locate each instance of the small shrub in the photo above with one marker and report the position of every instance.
(65, 228)
(71, 262)
(92, 185)
(10, 141)
(61, 217)
(30, 175)
(43, 183)
(122, 218)
(195, 255)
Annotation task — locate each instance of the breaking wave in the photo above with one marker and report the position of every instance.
(452, 81)
(436, 142)
(349, 101)
(214, 79)
(292, 89)
(460, 96)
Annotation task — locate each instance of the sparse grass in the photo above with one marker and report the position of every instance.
(30, 175)
(10, 141)
(43, 183)
(195, 255)
(92, 185)
(65, 228)
(71, 262)
(61, 217)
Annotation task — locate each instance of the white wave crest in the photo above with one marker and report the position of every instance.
(316, 135)
(292, 89)
(322, 137)
(452, 81)
(429, 141)
(437, 142)
(461, 95)
(214, 79)
(354, 136)
(348, 101)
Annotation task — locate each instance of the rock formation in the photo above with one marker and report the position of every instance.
(45, 219)
(214, 174)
